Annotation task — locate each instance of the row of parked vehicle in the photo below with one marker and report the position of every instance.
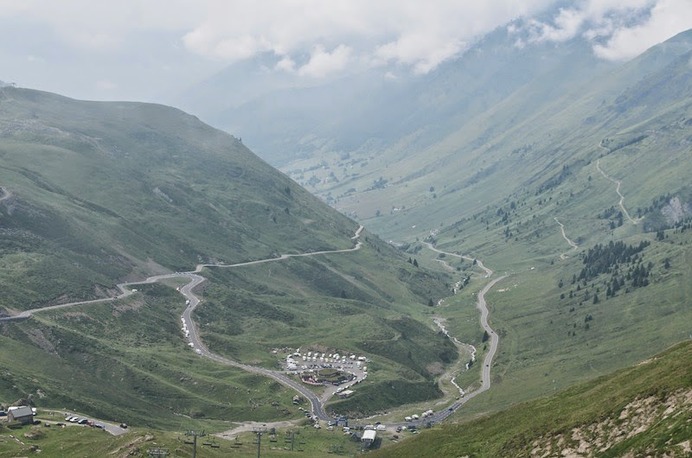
(83, 421)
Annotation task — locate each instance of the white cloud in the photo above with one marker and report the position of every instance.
(566, 25)
(323, 63)
(92, 24)
(667, 18)
(423, 52)
(152, 46)
(286, 64)
(618, 29)
(401, 32)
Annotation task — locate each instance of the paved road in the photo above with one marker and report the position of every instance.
(193, 301)
(317, 406)
(482, 306)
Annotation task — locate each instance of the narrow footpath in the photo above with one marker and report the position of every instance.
(570, 242)
(618, 183)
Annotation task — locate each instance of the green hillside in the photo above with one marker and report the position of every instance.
(606, 160)
(98, 193)
(105, 191)
(639, 411)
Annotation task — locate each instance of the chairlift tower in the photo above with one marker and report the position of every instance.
(259, 432)
(195, 435)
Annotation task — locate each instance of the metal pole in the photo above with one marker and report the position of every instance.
(194, 435)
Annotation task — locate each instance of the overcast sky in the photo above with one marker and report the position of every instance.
(151, 49)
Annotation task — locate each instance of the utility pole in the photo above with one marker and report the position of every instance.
(195, 435)
(259, 433)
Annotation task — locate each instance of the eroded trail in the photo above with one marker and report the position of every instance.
(463, 348)
(618, 183)
(567, 239)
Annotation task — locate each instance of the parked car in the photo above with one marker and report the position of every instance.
(123, 425)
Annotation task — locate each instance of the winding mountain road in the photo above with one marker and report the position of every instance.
(482, 306)
(317, 405)
(193, 301)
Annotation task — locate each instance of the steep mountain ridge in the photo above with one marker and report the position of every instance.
(504, 147)
(116, 173)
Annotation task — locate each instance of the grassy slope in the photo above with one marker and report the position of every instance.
(83, 442)
(554, 420)
(645, 131)
(102, 192)
(592, 411)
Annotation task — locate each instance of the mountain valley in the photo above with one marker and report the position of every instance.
(502, 245)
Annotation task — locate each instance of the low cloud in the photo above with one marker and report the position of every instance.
(667, 18)
(617, 29)
(323, 63)
(360, 32)
(308, 38)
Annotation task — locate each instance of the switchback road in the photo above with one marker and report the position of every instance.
(193, 301)
(317, 406)
(494, 339)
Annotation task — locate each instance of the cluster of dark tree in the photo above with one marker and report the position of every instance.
(380, 183)
(555, 181)
(604, 258)
(413, 261)
(637, 276)
(607, 213)
(615, 216)
(656, 204)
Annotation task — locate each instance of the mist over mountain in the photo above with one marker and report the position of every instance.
(473, 228)
(284, 120)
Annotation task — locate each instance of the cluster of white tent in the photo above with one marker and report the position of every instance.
(326, 357)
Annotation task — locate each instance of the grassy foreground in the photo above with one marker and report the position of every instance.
(85, 442)
(640, 411)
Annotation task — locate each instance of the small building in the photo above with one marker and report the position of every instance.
(368, 437)
(345, 393)
(22, 414)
